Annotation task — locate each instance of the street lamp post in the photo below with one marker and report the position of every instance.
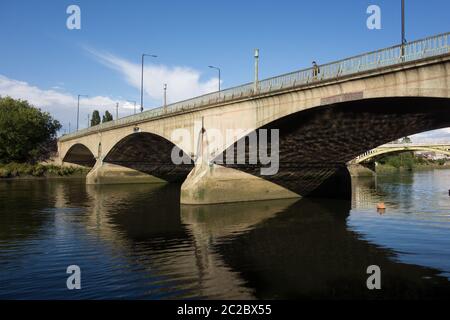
(142, 77)
(403, 22)
(403, 29)
(165, 96)
(256, 70)
(117, 111)
(78, 108)
(218, 69)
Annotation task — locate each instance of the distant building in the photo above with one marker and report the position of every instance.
(431, 155)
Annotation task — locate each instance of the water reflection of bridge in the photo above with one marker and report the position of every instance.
(273, 249)
(179, 241)
(364, 193)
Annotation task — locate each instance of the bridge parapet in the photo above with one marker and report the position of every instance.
(424, 144)
(414, 51)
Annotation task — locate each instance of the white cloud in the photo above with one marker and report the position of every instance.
(182, 82)
(62, 105)
(441, 135)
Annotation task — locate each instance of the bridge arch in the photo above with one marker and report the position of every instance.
(382, 151)
(316, 144)
(80, 154)
(149, 153)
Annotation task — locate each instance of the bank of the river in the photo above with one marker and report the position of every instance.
(40, 171)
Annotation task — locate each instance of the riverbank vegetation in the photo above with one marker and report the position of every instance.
(27, 170)
(409, 161)
(27, 139)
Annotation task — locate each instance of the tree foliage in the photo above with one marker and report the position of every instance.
(11, 170)
(107, 117)
(95, 118)
(26, 133)
(406, 140)
(402, 160)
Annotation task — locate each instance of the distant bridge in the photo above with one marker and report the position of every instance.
(440, 148)
(325, 119)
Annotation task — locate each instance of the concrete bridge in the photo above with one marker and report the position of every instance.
(325, 118)
(440, 148)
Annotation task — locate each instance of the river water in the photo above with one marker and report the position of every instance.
(137, 242)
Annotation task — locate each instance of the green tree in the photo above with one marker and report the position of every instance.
(95, 118)
(401, 160)
(406, 140)
(107, 117)
(26, 133)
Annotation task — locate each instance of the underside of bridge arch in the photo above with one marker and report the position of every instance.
(315, 145)
(81, 155)
(149, 153)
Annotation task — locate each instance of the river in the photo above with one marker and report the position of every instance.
(137, 242)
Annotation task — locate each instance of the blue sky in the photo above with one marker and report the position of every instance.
(45, 62)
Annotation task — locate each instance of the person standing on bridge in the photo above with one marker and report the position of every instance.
(316, 70)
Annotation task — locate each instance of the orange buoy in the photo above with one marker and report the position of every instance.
(381, 208)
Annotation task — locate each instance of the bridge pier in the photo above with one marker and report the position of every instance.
(213, 184)
(358, 170)
(106, 173)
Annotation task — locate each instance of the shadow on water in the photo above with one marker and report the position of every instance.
(307, 252)
(139, 212)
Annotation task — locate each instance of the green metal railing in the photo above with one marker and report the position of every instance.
(396, 55)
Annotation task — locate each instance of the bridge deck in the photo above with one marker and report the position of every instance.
(394, 56)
